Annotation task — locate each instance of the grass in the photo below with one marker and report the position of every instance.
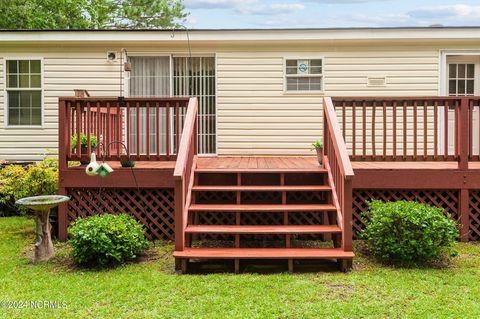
(150, 288)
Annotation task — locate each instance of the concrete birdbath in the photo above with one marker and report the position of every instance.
(41, 206)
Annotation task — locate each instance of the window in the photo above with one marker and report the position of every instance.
(24, 92)
(461, 79)
(304, 75)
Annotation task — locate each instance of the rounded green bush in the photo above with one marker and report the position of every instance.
(409, 232)
(106, 239)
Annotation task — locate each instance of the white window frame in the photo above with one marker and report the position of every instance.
(304, 92)
(5, 92)
(442, 79)
(443, 88)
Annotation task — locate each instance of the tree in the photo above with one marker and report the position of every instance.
(91, 14)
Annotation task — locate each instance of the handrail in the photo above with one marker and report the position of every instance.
(184, 170)
(340, 171)
(339, 145)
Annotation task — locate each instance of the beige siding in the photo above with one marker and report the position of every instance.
(62, 73)
(255, 115)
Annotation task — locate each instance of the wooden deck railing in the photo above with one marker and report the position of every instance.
(184, 170)
(149, 127)
(336, 158)
(407, 129)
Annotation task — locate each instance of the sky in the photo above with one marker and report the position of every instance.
(230, 14)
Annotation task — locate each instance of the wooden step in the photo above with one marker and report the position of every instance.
(261, 170)
(266, 253)
(261, 208)
(262, 229)
(254, 188)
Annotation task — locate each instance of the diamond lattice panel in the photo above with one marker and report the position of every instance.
(474, 216)
(154, 208)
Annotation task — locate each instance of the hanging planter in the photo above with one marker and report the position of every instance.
(127, 163)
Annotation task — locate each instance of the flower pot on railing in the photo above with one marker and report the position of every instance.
(318, 147)
(84, 139)
(320, 155)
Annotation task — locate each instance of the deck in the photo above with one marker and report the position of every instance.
(421, 149)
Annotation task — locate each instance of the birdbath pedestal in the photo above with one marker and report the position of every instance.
(41, 206)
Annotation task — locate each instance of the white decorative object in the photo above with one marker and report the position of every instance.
(91, 169)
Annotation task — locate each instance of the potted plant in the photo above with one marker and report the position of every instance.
(127, 163)
(318, 146)
(83, 144)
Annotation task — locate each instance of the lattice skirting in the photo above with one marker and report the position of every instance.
(474, 216)
(447, 199)
(155, 208)
(152, 207)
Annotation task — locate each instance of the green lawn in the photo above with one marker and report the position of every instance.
(151, 289)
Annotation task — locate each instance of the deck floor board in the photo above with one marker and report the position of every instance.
(257, 162)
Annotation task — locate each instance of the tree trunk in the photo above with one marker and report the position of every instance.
(43, 246)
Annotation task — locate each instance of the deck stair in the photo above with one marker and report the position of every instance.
(249, 207)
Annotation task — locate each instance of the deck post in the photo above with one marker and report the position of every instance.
(463, 140)
(464, 212)
(347, 215)
(463, 134)
(63, 140)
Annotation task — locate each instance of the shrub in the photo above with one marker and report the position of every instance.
(11, 178)
(405, 232)
(39, 180)
(106, 239)
(34, 180)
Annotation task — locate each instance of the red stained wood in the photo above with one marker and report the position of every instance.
(184, 171)
(261, 208)
(267, 253)
(103, 117)
(312, 188)
(412, 147)
(263, 229)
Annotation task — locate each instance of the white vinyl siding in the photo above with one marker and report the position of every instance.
(255, 115)
(63, 71)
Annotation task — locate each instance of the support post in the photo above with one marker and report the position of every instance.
(347, 215)
(463, 132)
(62, 217)
(63, 142)
(464, 211)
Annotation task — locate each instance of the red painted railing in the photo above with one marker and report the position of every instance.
(406, 129)
(184, 170)
(149, 127)
(341, 172)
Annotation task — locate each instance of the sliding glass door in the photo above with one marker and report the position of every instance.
(196, 77)
(166, 76)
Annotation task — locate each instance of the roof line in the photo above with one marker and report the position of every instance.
(246, 29)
